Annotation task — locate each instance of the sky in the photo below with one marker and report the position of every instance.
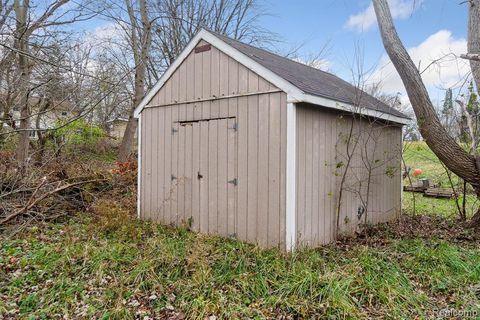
(430, 29)
(347, 30)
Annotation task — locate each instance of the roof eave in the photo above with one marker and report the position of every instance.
(342, 106)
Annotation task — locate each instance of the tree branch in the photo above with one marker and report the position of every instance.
(471, 56)
(32, 202)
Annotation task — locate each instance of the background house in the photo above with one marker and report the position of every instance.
(45, 114)
(116, 127)
(241, 142)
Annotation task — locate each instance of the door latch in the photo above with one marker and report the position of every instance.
(199, 175)
(234, 181)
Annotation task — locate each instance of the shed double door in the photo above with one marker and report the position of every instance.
(204, 172)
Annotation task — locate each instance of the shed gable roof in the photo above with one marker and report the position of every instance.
(301, 82)
(311, 80)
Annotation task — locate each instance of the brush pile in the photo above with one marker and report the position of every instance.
(58, 188)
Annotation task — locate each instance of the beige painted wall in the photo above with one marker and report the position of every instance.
(184, 139)
(322, 137)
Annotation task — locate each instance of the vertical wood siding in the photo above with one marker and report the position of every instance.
(175, 151)
(244, 138)
(321, 159)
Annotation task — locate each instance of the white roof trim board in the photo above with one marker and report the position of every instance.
(295, 94)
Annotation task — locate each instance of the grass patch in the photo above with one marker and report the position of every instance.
(140, 268)
(435, 206)
(418, 155)
(109, 266)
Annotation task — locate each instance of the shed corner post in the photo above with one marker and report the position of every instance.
(139, 164)
(290, 215)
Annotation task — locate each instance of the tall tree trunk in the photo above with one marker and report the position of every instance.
(140, 53)
(473, 45)
(437, 138)
(125, 149)
(21, 44)
(42, 137)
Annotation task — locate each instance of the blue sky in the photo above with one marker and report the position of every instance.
(431, 28)
(321, 20)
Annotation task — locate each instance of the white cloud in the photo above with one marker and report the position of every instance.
(111, 31)
(366, 19)
(437, 59)
(106, 37)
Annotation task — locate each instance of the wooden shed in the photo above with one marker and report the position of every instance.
(243, 143)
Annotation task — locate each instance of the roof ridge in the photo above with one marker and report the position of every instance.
(273, 53)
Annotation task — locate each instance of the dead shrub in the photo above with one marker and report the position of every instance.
(111, 216)
(66, 185)
(115, 208)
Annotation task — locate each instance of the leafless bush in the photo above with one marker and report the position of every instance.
(56, 189)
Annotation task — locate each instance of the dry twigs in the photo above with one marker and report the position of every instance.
(34, 200)
(48, 192)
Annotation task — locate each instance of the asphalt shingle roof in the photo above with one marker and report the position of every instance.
(311, 80)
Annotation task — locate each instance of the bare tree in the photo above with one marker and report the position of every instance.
(179, 20)
(22, 34)
(361, 160)
(459, 161)
(30, 24)
(157, 42)
(140, 40)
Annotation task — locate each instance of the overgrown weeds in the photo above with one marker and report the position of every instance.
(125, 269)
(103, 263)
(61, 187)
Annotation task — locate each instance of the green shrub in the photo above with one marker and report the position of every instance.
(78, 132)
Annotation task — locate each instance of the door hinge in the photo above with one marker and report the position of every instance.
(234, 181)
(234, 127)
(173, 177)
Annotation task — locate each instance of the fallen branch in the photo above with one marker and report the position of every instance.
(32, 202)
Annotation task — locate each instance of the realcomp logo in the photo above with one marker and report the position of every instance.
(448, 313)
